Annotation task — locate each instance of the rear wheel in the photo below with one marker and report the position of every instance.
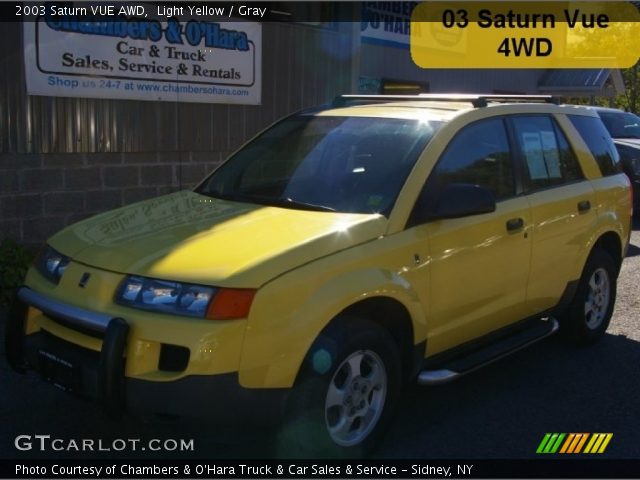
(590, 312)
(346, 392)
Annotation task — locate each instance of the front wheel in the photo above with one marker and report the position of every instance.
(346, 392)
(590, 312)
(356, 397)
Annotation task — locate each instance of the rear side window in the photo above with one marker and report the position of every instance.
(548, 158)
(595, 135)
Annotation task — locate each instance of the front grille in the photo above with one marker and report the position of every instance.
(87, 355)
(70, 367)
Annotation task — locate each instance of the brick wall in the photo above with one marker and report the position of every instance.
(41, 193)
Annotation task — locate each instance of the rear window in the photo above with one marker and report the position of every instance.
(599, 141)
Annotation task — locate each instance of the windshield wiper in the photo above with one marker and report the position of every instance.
(289, 203)
(274, 202)
(232, 197)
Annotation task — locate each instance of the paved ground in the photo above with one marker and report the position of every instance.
(501, 411)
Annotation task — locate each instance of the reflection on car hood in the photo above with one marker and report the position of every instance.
(189, 237)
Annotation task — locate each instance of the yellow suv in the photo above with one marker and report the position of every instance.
(342, 252)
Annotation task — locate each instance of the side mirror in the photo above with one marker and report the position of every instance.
(463, 200)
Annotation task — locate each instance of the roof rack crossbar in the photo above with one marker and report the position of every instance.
(521, 98)
(478, 101)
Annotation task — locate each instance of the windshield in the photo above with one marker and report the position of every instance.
(621, 125)
(343, 164)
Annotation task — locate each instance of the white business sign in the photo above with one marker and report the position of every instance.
(191, 60)
(387, 23)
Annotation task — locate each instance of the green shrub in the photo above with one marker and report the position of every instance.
(14, 262)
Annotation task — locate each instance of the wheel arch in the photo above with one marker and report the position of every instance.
(394, 317)
(611, 243)
(608, 241)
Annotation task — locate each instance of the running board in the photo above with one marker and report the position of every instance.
(489, 354)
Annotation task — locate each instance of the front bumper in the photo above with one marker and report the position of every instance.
(100, 376)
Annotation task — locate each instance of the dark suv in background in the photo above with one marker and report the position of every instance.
(624, 128)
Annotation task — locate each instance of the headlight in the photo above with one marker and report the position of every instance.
(178, 298)
(51, 264)
(164, 296)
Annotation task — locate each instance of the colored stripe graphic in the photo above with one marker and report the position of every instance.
(574, 443)
(550, 443)
(604, 445)
(591, 442)
(581, 443)
(598, 442)
(543, 443)
(556, 445)
(567, 443)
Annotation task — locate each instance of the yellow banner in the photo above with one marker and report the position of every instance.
(525, 35)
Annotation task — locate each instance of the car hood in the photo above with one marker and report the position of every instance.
(189, 237)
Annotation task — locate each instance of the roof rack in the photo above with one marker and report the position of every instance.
(477, 100)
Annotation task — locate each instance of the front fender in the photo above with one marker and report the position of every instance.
(289, 313)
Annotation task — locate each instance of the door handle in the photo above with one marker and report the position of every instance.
(515, 224)
(584, 206)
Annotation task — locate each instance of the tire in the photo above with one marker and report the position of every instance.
(346, 393)
(590, 311)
